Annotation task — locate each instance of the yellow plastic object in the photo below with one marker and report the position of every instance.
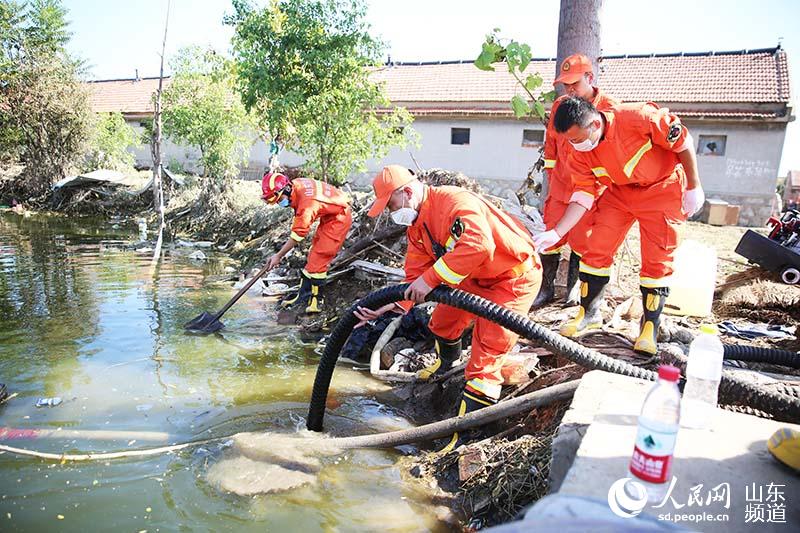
(711, 329)
(784, 445)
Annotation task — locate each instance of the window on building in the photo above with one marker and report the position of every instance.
(532, 138)
(712, 145)
(459, 135)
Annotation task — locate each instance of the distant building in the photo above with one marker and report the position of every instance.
(791, 190)
(736, 105)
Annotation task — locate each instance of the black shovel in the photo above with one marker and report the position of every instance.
(208, 323)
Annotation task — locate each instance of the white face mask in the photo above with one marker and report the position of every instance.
(587, 145)
(405, 216)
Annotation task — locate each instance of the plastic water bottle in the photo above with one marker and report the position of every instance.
(659, 420)
(703, 373)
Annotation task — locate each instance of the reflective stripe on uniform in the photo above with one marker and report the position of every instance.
(605, 272)
(549, 163)
(487, 389)
(444, 271)
(315, 275)
(600, 171)
(295, 237)
(654, 283)
(523, 267)
(631, 164)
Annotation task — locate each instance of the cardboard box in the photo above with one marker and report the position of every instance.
(717, 210)
(732, 215)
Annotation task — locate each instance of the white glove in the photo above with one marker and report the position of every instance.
(545, 240)
(693, 200)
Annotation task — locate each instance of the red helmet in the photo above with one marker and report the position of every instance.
(271, 186)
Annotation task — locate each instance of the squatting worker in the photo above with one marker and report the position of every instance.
(645, 157)
(311, 200)
(457, 238)
(577, 77)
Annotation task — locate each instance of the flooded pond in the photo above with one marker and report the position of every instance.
(82, 319)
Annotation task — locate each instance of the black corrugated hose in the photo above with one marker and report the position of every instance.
(780, 406)
(756, 354)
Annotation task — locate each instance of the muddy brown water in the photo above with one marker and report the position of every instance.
(82, 319)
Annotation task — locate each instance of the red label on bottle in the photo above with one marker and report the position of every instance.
(651, 468)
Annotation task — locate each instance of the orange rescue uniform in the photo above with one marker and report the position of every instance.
(486, 252)
(637, 161)
(556, 151)
(314, 200)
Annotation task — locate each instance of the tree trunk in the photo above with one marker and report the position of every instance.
(158, 187)
(579, 32)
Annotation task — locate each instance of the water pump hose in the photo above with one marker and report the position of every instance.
(732, 389)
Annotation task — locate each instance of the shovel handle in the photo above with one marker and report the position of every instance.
(243, 290)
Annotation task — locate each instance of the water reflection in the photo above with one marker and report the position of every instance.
(81, 318)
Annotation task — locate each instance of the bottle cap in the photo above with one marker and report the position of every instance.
(669, 373)
(711, 329)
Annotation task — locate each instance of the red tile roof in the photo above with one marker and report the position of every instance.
(729, 81)
(760, 76)
(126, 96)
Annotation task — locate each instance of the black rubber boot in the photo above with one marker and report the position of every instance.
(588, 317)
(315, 298)
(573, 283)
(547, 291)
(471, 400)
(299, 300)
(447, 352)
(652, 305)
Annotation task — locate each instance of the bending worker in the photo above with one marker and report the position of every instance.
(311, 200)
(577, 77)
(457, 238)
(645, 157)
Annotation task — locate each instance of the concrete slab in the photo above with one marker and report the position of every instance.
(730, 461)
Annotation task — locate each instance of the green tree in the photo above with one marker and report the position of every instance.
(46, 114)
(200, 110)
(303, 68)
(110, 140)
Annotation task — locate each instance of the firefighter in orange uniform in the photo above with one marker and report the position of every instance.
(577, 77)
(645, 157)
(457, 238)
(311, 200)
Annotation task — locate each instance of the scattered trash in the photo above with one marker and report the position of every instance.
(749, 330)
(198, 256)
(229, 270)
(276, 289)
(48, 402)
(144, 250)
(257, 288)
(194, 244)
(144, 407)
(142, 229)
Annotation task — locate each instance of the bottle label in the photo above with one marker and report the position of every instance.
(652, 455)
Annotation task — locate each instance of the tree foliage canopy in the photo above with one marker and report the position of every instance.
(46, 116)
(108, 146)
(199, 109)
(303, 68)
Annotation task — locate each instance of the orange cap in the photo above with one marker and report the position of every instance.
(573, 68)
(387, 181)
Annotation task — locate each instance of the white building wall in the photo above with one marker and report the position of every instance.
(745, 175)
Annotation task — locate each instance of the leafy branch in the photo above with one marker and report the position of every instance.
(517, 57)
